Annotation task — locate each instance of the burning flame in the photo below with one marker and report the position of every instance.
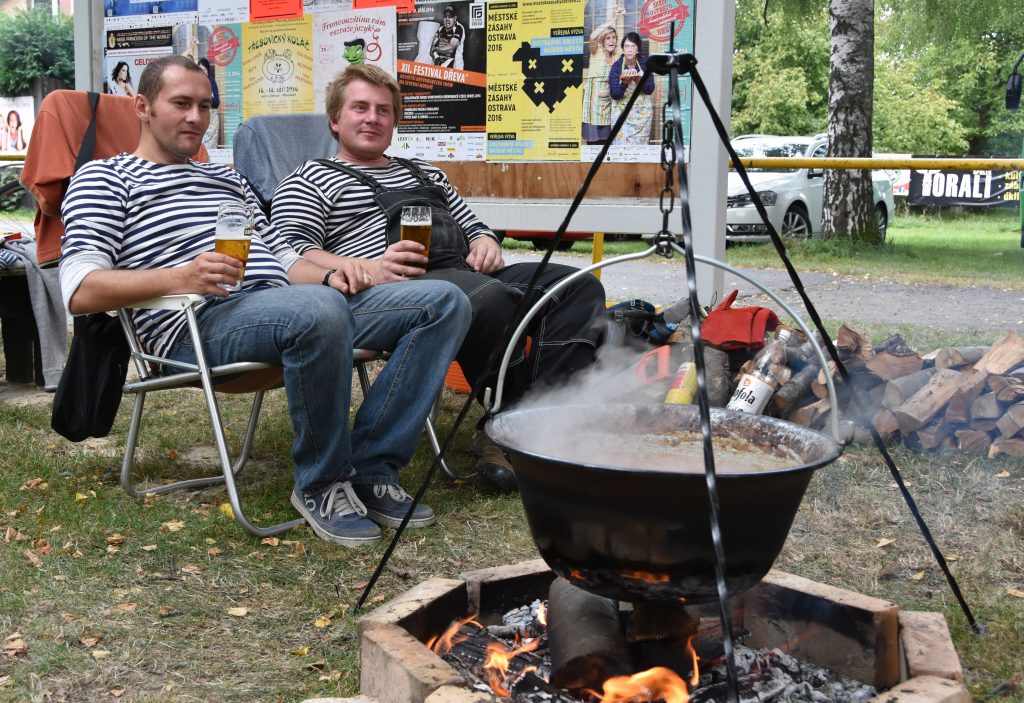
(444, 643)
(496, 664)
(655, 684)
(542, 615)
(645, 576)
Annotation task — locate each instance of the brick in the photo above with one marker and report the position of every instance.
(424, 610)
(451, 694)
(395, 667)
(927, 647)
(501, 588)
(850, 633)
(925, 689)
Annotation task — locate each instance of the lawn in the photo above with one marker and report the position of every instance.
(105, 598)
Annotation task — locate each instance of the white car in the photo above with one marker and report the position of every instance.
(792, 196)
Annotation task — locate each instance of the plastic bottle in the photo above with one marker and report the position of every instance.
(768, 372)
(684, 385)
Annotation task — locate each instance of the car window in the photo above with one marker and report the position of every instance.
(819, 151)
(755, 149)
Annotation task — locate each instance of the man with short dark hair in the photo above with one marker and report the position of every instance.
(445, 44)
(142, 225)
(344, 212)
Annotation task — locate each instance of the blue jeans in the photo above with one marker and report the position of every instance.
(311, 330)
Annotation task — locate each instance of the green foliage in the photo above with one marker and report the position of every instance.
(35, 44)
(900, 102)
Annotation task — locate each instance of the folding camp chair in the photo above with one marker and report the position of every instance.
(267, 148)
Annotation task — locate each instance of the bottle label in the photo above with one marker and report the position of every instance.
(751, 395)
(684, 385)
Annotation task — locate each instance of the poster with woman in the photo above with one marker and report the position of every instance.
(19, 117)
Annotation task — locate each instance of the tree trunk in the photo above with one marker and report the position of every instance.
(849, 206)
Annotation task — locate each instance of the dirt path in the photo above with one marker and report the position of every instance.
(836, 297)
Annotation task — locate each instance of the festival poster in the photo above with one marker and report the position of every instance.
(314, 6)
(214, 12)
(348, 38)
(126, 14)
(533, 101)
(277, 67)
(442, 69)
(220, 45)
(128, 51)
(649, 22)
(270, 10)
(19, 118)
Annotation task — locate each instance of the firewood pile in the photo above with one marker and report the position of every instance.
(968, 399)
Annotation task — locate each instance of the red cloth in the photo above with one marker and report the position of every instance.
(727, 327)
(53, 149)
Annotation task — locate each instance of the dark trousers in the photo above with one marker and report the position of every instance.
(565, 333)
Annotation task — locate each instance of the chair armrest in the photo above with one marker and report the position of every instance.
(169, 302)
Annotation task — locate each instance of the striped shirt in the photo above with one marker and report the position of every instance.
(130, 213)
(318, 207)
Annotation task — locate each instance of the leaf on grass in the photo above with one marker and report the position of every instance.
(14, 646)
(6, 680)
(168, 612)
(318, 665)
(123, 608)
(149, 548)
(116, 692)
(76, 554)
(238, 612)
(298, 550)
(111, 549)
(81, 497)
(332, 675)
(271, 541)
(1015, 593)
(919, 576)
(322, 622)
(99, 654)
(172, 526)
(114, 539)
(190, 569)
(226, 509)
(884, 542)
(1003, 474)
(213, 551)
(89, 641)
(34, 484)
(378, 599)
(41, 546)
(34, 558)
(300, 651)
(952, 557)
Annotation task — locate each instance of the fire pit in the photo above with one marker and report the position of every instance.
(907, 655)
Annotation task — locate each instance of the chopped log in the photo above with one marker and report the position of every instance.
(809, 414)
(956, 357)
(818, 386)
(984, 425)
(889, 366)
(898, 390)
(920, 408)
(932, 435)
(971, 385)
(1005, 354)
(1012, 421)
(585, 638)
(794, 391)
(886, 423)
(1008, 388)
(659, 620)
(985, 407)
(1006, 447)
(973, 441)
(854, 347)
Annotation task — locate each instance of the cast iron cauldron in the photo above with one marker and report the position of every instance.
(635, 533)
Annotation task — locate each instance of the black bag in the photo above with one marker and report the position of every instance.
(636, 324)
(89, 392)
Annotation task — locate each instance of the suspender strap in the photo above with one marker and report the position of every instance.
(88, 147)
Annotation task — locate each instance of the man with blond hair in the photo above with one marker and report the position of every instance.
(344, 213)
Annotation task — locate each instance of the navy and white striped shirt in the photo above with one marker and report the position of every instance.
(130, 213)
(318, 207)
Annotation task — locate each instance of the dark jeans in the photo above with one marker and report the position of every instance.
(565, 334)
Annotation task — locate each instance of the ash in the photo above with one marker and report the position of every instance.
(765, 676)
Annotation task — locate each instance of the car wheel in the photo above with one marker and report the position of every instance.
(542, 244)
(796, 224)
(882, 220)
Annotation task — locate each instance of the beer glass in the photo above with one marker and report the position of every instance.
(234, 234)
(416, 225)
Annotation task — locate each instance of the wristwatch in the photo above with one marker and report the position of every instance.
(327, 277)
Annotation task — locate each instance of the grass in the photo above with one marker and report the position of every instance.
(118, 599)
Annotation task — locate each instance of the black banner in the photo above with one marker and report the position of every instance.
(965, 188)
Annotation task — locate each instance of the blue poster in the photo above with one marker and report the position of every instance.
(127, 8)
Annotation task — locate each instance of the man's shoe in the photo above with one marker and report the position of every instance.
(492, 464)
(337, 515)
(387, 504)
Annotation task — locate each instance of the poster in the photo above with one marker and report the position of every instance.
(125, 8)
(223, 11)
(220, 46)
(533, 91)
(314, 6)
(277, 67)
(269, 10)
(129, 51)
(347, 38)
(19, 118)
(442, 70)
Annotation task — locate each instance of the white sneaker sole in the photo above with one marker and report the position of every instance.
(388, 521)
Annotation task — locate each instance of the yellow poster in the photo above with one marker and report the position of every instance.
(277, 67)
(534, 72)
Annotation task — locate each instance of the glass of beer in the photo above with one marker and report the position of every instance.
(234, 234)
(416, 225)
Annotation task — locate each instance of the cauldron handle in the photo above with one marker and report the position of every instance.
(715, 263)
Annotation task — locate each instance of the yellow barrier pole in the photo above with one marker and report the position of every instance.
(869, 163)
(598, 251)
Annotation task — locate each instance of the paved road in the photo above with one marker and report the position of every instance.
(840, 298)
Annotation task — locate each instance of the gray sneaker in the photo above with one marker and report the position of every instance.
(337, 515)
(387, 504)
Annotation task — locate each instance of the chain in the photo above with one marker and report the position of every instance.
(666, 201)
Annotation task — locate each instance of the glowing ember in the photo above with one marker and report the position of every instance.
(657, 684)
(645, 576)
(496, 664)
(444, 643)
